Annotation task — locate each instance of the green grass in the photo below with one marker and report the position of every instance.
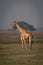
(37, 41)
(19, 41)
(12, 54)
(10, 41)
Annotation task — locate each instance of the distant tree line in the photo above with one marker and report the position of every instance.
(24, 25)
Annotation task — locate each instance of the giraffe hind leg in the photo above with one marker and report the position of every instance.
(30, 45)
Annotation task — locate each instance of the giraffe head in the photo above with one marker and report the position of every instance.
(13, 22)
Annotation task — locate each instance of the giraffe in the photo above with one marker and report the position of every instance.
(23, 35)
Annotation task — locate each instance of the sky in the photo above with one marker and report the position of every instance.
(30, 11)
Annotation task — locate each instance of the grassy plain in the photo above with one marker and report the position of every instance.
(11, 52)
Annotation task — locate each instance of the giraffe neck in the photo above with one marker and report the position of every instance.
(21, 30)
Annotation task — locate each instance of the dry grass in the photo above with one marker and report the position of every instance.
(12, 54)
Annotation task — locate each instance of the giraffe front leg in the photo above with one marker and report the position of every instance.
(22, 43)
(25, 44)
